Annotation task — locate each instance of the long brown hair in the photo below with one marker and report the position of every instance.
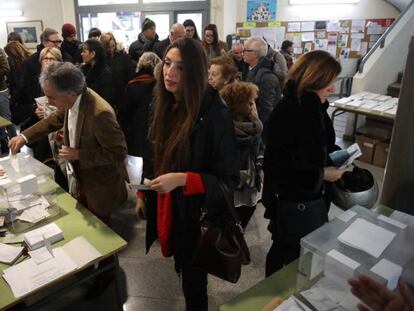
(173, 122)
(313, 71)
(17, 52)
(216, 42)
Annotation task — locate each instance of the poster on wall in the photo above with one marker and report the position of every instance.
(261, 10)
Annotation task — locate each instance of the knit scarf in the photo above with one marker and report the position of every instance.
(247, 129)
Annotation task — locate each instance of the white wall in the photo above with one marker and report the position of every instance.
(53, 13)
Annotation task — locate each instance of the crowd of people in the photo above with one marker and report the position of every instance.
(199, 113)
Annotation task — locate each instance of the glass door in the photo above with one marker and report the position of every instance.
(197, 18)
(163, 22)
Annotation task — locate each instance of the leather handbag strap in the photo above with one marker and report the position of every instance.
(228, 197)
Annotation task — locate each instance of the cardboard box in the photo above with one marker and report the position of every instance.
(381, 154)
(367, 146)
(378, 131)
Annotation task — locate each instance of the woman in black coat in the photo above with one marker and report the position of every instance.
(122, 67)
(97, 73)
(299, 137)
(134, 112)
(194, 149)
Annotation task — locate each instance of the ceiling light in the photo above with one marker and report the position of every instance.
(11, 13)
(304, 2)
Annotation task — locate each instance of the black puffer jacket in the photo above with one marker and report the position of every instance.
(299, 137)
(140, 46)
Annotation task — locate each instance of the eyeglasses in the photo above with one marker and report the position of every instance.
(249, 50)
(55, 41)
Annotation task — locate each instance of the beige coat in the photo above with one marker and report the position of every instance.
(102, 149)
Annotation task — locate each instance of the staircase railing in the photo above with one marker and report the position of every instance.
(381, 41)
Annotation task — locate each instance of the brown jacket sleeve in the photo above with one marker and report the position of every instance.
(112, 147)
(50, 124)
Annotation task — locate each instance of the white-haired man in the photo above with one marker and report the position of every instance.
(177, 31)
(262, 74)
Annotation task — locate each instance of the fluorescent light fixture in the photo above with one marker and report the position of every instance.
(10, 13)
(306, 2)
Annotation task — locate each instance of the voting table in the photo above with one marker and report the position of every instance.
(75, 221)
(321, 245)
(367, 104)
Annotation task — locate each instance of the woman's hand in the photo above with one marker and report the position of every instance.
(378, 297)
(168, 182)
(140, 208)
(332, 173)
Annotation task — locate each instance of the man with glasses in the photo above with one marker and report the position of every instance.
(32, 67)
(262, 74)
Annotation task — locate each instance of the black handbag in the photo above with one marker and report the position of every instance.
(222, 249)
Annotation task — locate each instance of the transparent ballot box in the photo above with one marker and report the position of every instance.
(27, 192)
(359, 241)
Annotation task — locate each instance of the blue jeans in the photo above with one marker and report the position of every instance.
(5, 113)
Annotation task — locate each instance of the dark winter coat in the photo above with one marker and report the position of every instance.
(99, 79)
(140, 46)
(214, 156)
(122, 70)
(134, 112)
(299, 137)
(161, 47)
(19, 110)
(73, 49)
(267, 81)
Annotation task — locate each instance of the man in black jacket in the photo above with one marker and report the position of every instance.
(49, 38)
(70, 44)
(146, 40)
(177, 31)
(262, 74)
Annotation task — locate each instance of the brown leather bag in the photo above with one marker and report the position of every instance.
(222, 249)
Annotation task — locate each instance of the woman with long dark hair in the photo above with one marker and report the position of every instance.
(194, 149)
(97, 73)
(299, 136)
(191, 29)
(211, 43)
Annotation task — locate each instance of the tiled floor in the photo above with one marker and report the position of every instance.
(150, 283)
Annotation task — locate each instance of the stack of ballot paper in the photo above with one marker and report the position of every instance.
(367, 237)
(9, 254)
(32, 274)
(36, 238)
(345, 157)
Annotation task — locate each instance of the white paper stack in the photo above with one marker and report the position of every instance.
(35, 238)
(371, 95)
(392, 111)
(389, 271)
(367, 237)
(383, 107)
(9, 254)
(383, 98)
(31, 274)
(355, 103)
(343, 101)
(369, 104)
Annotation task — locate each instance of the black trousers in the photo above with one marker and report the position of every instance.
(194, 283)
(291, 223)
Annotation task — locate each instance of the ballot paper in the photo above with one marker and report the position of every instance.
(35, 238)
(21, 203)
(9, 254)
(318, 299)
(11, 238)
(344, 100)
(14, 162)
(345, 157)
(41, 255)
(367, 237)
(292, 304)
(28, 275)
(389, 271)
(37, 212)
(391, 221)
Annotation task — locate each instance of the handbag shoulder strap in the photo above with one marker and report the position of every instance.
(228, 197)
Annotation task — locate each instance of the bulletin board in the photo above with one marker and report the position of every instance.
(344, 39)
